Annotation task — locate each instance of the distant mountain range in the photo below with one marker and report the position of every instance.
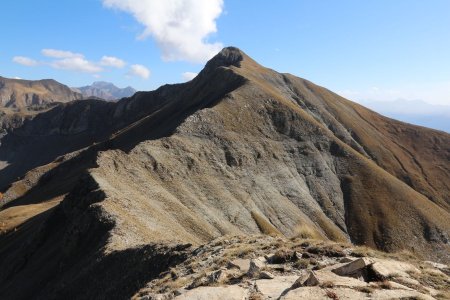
(19, 94)
(414, 111)
(105, 90)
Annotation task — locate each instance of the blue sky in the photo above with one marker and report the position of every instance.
(365, 50)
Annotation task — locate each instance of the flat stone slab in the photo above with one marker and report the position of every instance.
(392, 268)
(317, 293)
(320, 277)
(241, 264)
(273, 288)
(232, 292)
(352, 267)
(398, 294)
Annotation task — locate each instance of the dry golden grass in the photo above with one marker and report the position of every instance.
(445, 295)
(264, 226)
(239, 251)
(436, 280)
(304, 231)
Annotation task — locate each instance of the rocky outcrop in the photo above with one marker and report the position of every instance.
(300, 278)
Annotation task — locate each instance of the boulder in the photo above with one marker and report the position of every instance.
(398, 294)
(390, 268)
(437, 265)
(232, 292)
(266, 275)
(273, 288)
(328, 278)
(255, 268)
(241, 264)
(217, 276)
(269, 257)
(354, 268)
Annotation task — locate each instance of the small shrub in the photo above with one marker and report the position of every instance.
(327, 284)
(301, 264)
(255, 296)
(386, 285)
(332, 295)
(283, 255)
(365, 289)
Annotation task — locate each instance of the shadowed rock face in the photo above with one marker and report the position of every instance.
(241, 149)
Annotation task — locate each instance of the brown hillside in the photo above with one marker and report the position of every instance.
(239, 150)
(22, 94)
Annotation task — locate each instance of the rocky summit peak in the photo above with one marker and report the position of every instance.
(229, 56)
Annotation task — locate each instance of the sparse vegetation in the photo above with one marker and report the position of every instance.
(327, 284)
(301, 264)
(265, 226)
(365, 289)
(283, 255)
(239, 251)
(386, 285)
(444, 295)
(434, 279)
(304, 231)
(332, 295)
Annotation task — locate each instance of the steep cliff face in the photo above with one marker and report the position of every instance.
(28, 94)
(241, 149)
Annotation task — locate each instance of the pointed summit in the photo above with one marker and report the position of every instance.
(229, 56)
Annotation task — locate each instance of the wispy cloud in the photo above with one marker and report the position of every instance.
(187, 76)
(139, 71)
(111, 61)
(180, 27)
(25, 61)
(78, 64)
(54, 53)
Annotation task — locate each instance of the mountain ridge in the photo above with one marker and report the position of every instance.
(22, 94)
(257, 147)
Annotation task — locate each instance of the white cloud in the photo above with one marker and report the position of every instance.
(180, 27)
(187, 76)
(60, 53)
(25, 61)
(111, 61)
(139, 71)
(79, 64)
(17, 77)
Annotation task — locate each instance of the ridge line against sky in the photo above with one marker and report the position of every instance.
(381, 51)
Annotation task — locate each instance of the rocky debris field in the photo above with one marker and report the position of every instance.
(264, 267)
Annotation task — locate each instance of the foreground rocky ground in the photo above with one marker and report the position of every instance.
(264, 267)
